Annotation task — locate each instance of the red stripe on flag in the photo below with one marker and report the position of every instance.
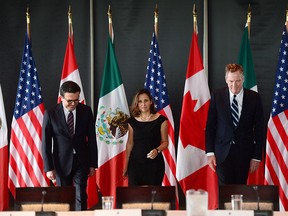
(4, 195)
(208, 184)
(275, 180)
(35, 121)
(109, 176)
(23, 153)
(70, 64)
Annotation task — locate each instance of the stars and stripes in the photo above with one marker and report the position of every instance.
(156, 83)
(276, 147)
(26, 163)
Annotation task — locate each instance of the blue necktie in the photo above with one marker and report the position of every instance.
(235, 111)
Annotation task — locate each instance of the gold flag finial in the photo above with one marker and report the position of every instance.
(194, 18)
(27, 15)
(249, 14)
(156, 14)
(28, 20)
(70, 28)
(109, 13)
(287, 14)
(249, 20)
(70, 15)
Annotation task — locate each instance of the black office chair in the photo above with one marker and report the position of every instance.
(146, 197)
(268, 196)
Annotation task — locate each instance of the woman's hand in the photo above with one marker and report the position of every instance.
(152, 154)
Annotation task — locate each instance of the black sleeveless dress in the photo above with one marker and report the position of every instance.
(147, 136)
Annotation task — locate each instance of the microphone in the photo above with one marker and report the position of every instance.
(153, 198)
(152, 211)
(44, 192)
(42, 212)
(259, 212)
(257, 195)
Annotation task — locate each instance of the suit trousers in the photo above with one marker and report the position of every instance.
(234, 169)
(77, 178)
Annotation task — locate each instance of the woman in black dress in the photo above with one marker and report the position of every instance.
(148, 137)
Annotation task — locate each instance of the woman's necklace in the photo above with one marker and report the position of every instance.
(145, 118)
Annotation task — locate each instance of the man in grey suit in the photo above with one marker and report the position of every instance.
(69, 143)
(235, 129)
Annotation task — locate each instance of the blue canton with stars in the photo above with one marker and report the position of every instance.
(29, 91)
(280, 103)
(155, 77)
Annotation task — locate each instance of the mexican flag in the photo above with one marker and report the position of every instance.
(111, 127)
(246, 60)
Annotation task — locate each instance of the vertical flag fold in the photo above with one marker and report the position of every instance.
(25, 161)
(4, 195)
(276, 162)
(157, 85)
(193, 171)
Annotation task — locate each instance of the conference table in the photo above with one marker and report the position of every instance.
(136, 212)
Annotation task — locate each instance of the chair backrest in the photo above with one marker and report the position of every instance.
(45, 198)
(268, 195)
(146, 197)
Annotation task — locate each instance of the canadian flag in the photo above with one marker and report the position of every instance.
(70, 72)
(192, 169)
(70, 69)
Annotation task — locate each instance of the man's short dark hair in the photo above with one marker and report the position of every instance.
(69, 87)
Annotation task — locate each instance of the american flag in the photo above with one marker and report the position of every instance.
(25, 162)
(276, 147)
(156, 83)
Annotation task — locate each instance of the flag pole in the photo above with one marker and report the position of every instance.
(195, 18)
(28, 21)
(249, 20)
(156, 13)
(109, 13)
(70, 31)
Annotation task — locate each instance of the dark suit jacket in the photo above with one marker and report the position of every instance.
(249, 136)
(84, 140)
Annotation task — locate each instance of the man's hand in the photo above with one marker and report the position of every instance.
(51, 175)
(92, 171)
(212, 162)
(254, 165)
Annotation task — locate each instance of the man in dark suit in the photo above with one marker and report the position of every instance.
(235, 129)
(69, 143)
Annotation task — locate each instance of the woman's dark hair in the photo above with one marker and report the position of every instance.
(134, 106)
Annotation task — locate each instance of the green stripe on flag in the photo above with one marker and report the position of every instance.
(246, 60)
(111, 75)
